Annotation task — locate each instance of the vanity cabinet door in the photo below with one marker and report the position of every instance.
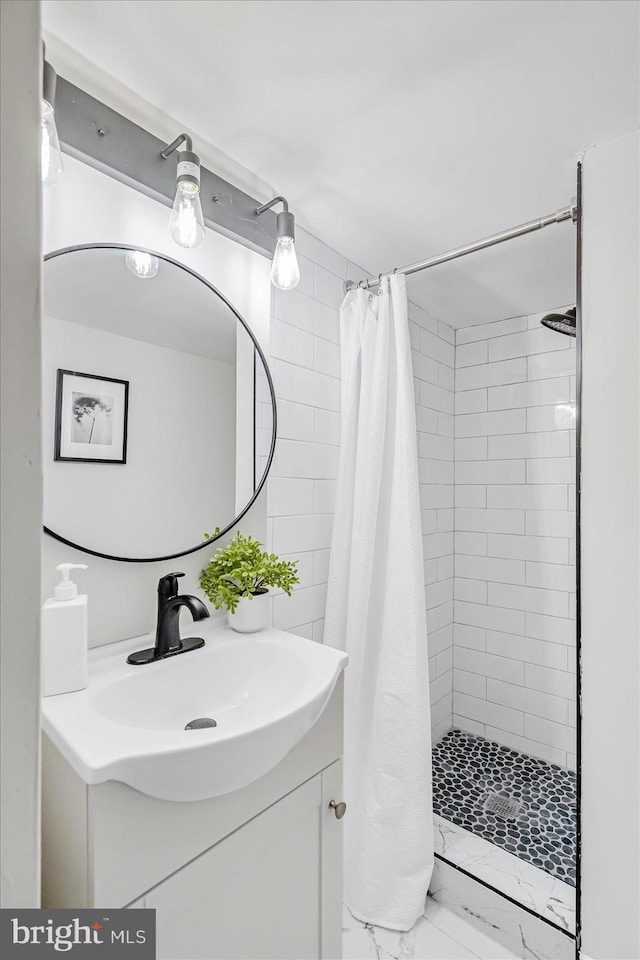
(256, 894)
(331, 882)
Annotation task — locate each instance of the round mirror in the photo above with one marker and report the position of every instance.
(159, 412)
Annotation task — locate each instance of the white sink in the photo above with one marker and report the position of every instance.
(264, 690)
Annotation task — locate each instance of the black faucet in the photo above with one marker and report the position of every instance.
(168, 642)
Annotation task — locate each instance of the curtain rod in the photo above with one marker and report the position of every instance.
(565, 213)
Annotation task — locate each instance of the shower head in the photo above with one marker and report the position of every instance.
(561, 322)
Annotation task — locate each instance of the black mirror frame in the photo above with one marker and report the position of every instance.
(258, 350)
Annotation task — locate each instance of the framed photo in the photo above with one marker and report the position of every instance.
(91, 418)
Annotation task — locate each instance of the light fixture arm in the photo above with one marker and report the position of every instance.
(188, 170)
(285, 220)
(173, 146)
(186, 223)
(285, 272)
(272, 203)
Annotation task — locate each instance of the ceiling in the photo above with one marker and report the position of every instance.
(397, 129)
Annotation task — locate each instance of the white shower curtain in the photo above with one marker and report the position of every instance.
(376, 612)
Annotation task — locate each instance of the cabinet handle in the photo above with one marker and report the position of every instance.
(338, 808)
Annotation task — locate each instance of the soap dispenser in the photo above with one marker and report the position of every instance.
(63, 648)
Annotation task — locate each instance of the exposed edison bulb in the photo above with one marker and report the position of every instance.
(50, 154)
(186, 223)
(285, 273)
(142, 265)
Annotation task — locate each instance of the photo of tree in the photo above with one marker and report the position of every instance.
(91, 421)
(91, 418)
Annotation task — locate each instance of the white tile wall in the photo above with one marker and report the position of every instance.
(490, 424)
(526, 649)
(537, 340)
(491, 374)
(529, 445)
(470, 354)
(551, 602)
(305, 362)
(470, 448)
(555, 550)
(559, 416)
(485, 331)
(514, 561)
(433, 357)
(499, 540)
(491, 471)
(536, 393)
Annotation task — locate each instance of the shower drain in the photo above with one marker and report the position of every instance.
(504, 807)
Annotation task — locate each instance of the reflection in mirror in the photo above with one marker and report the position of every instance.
(197, 424)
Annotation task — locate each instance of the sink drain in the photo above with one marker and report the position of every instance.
(200, 723)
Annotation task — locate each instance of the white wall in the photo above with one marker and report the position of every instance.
(514, 677)
(122, 596)
(21, 513)
(610, 561)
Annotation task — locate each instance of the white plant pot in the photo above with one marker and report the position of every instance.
(252, 613)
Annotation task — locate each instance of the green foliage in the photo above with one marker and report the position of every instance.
(243, 569)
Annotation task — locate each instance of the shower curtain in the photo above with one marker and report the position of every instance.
(376, 612)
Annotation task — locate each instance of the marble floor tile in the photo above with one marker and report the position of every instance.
(561, 906)
(529, 937)
(518, 879)
(524, 805)
(439, 935)
(528, 885)
(466, 934)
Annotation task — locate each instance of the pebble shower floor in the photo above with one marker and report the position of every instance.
(467, 770)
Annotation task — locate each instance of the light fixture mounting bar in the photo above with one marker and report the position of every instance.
(105, 139)
(49, 84)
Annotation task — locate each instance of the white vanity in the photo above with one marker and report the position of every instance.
(253, 873)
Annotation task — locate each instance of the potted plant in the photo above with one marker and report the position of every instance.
(238, 578)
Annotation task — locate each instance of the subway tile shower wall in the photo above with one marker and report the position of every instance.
(497, 469)
(304, 357)
(433, 356)
(514, 610)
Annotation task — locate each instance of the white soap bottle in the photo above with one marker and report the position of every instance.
(63, 647)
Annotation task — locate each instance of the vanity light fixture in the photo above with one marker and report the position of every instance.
(50, 153)
(285, 273)
(141, 264)
(186, 223)
(200, 195)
